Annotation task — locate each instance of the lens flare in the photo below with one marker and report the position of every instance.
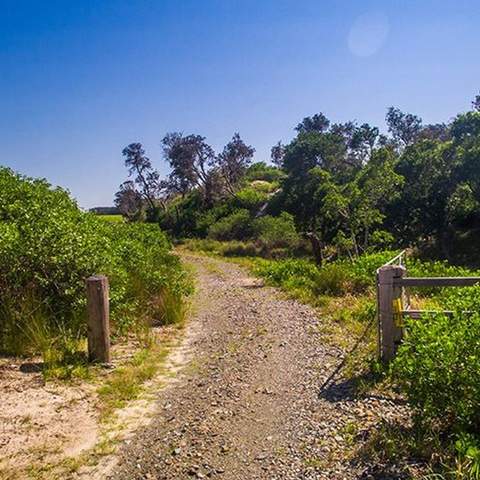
(368, 33)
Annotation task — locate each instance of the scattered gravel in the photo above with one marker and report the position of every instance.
(249, 405)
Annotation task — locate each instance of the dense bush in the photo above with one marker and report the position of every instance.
(239, 249)
(250, 198)
(264, 186)
(262, 171)
(421, 268)
(276, 232)
(48, 246)
(335, 278)
(438, 364)
(465, 299)
(364, 267)
(235, 226)
(183, 217)
(438, 367)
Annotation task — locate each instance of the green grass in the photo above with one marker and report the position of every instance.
(126, 383)
(112, 218)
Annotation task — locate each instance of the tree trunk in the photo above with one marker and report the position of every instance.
(445, 242)
(316, 248)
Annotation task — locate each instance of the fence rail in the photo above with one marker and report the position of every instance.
(393, 301)
(437, 281)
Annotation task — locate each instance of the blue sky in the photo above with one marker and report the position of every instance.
(79, 80)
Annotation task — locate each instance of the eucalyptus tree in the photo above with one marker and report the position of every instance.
(190, 159)
(234, 161)
(139, 166)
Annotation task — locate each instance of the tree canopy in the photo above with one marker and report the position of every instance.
(348, 187)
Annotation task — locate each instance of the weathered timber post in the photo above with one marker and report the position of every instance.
(388, 292)
(98, 319)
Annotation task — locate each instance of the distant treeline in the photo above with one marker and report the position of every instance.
(105, 210)
(344, 187)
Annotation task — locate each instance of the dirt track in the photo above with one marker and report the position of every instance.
(249, 404)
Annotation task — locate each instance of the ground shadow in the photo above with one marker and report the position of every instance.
(385, 452)
(338, 391)
(31, 367)
(384, 472)
(349, 389)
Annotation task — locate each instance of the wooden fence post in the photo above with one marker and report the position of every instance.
(391, 333)
(98, 319)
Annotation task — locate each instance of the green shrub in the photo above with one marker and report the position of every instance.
(279, 272)
(363, 268)
(467, 461)
(262, 171)
(206, 218)
(331, 280)
(185, 216)
(236, 226)
(336, 278)
(48, 247)
(240, 249)
(276, 232)
(278, 253)
(421, 268)
(145, 277)
(263, 186)
(250, 199)
(438, 368)
(203, 245)
(111, 218)
(460, 299)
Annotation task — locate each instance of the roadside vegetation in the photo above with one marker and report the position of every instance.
(48, 247)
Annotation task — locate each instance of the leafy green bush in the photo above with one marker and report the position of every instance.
(465, 299)
(111, 218)
(363, 268)
(276, 232)
(331, 280)
(249, 198)
(202, 245)
(235, 226)
(187, 217)
(421, 268)
(206, 218)
(240, 249)
(48, 247)
(263, 186)
(147, 280)
(438, 368)
(336, 278)
(262, 171)
(278, 272)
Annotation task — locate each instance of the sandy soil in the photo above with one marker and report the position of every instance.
(44, 424)
(38, 421)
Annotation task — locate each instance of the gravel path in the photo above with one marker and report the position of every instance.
(249, 405)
